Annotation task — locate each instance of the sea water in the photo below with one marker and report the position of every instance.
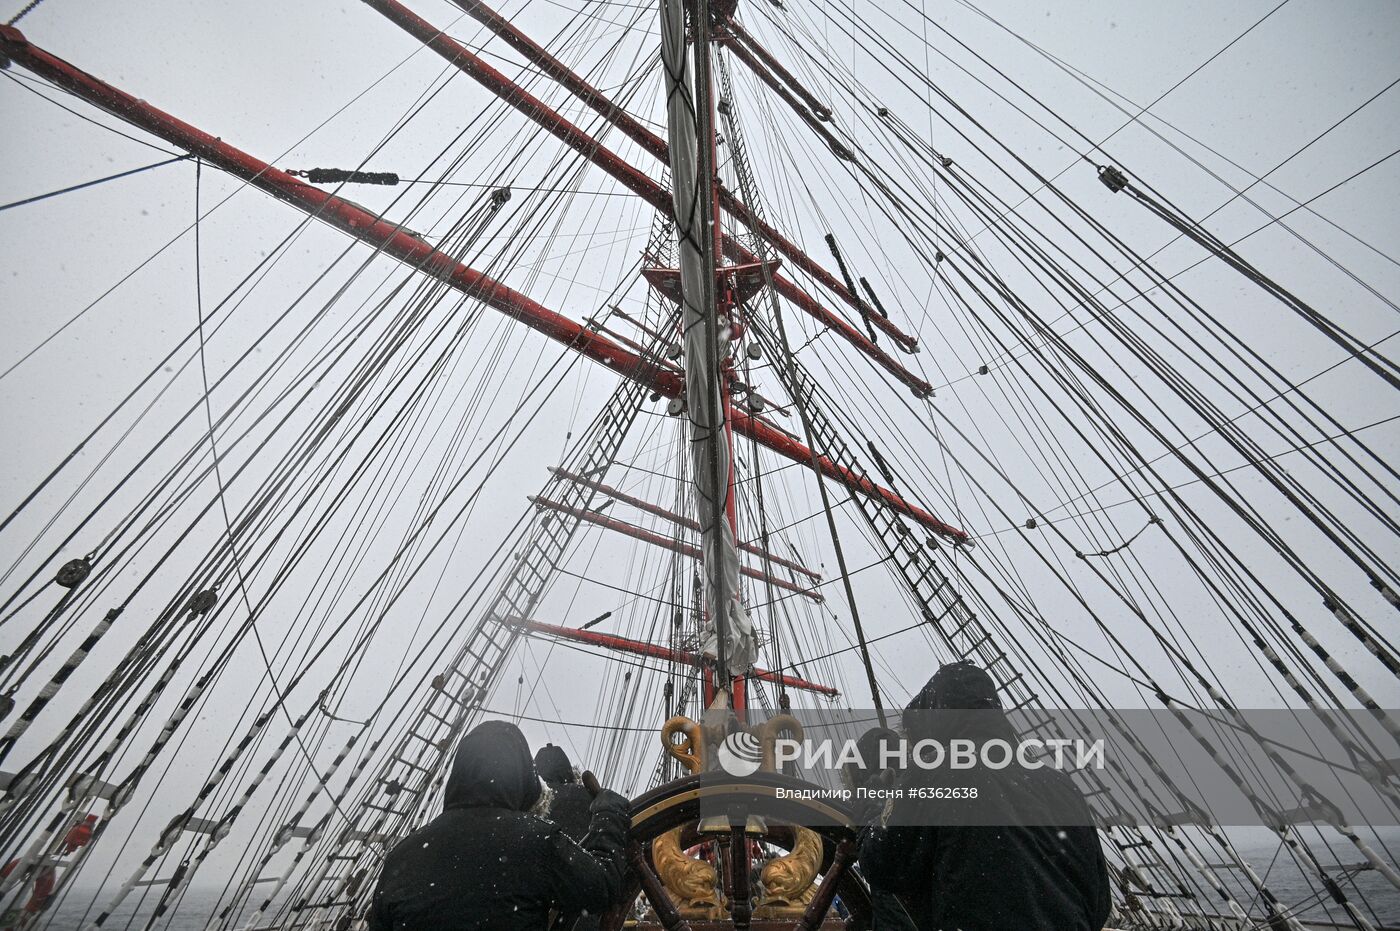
(1260, 847)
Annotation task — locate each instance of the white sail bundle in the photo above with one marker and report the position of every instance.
(709, 448)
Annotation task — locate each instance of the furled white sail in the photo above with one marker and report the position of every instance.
(709, 442)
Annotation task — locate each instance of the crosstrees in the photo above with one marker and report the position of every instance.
(656, 146)
(914, 559)
(639, 183)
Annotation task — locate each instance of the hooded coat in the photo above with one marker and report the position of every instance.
(989, 876)
(485, 863)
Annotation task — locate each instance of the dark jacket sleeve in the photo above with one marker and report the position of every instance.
(379, 917)
(1099, 897)
(888, 857)
(590, 872)
(1097, 892)
(887, 913)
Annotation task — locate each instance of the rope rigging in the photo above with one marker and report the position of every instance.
(349, 465)
(1115, 181)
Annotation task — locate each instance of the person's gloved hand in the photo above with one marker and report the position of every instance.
(611, 822)
(870, 809)
(608, 801)
(869, 772)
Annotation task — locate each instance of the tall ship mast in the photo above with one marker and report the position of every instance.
(660, 377)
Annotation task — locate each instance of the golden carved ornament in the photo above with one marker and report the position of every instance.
(690, 741)
(788, 880)
(692, 883)
(691, 750)
(768, 733)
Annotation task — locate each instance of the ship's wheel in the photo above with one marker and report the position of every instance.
(770, 863)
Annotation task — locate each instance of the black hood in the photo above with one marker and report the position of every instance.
(493, 769)
(553, 765)
(957, 687)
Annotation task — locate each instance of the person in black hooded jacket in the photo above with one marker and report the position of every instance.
(486, 863)
(986, 865)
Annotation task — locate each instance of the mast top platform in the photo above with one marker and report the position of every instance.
(737, 283)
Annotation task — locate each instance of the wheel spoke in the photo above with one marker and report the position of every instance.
(740, 901)
(816, 911)
(666, 911)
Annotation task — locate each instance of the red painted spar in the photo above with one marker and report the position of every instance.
(391, 238)
(667, 543)
(655, 145)
(738, 32)
(643, 186)
(673, 517)
(410, 248)
(655, 651)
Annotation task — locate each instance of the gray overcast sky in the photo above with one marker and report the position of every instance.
(264, 75)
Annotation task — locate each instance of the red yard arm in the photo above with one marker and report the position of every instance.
(680, 520)
(778, 87)
(392, 239)
(654, 144)
(740, 34)
(667, 543)
(655, 651)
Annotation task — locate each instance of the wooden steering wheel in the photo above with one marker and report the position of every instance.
(679, 804)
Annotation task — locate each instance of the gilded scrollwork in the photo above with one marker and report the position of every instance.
(788, 881)
(693, 884)
(768, 733)
(690, 749)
